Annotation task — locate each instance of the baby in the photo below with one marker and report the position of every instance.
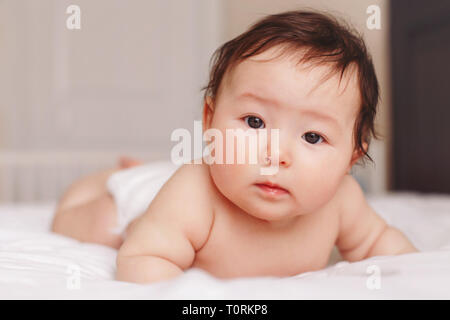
(301, 72)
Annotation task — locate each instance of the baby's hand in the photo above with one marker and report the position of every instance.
(162, 243)
(363, 233)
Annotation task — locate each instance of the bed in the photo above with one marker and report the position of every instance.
(38, 264)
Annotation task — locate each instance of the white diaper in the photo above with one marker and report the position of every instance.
(134, 188)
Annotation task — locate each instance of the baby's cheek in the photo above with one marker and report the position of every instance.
(316, 188)
(226, 178)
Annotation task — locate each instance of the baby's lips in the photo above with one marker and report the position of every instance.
(272, 186)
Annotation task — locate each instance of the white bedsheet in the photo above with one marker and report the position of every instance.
(35, 263)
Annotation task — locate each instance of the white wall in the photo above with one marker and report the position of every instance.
(72, 100)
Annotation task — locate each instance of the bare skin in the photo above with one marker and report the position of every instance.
(87, 212)
(218, 218)
(222, 234)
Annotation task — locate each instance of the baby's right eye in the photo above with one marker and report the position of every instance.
(254, 122)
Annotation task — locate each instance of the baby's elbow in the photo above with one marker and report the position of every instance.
(391, 242)
(146, 269)
(354, 255)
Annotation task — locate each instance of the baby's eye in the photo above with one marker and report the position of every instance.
(254, 122)
(312, 137)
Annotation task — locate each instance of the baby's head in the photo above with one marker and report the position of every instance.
(311, 77)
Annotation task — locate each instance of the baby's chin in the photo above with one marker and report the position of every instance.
(268, 212)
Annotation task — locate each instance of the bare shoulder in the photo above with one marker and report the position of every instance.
(349, 195)
(182, 206)
(337, 212)
(190, 184)
(186, 196)
(193, 175)
(360, 225)
(348, 202)
(356, 217)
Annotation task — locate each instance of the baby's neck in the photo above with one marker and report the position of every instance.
(282, 223)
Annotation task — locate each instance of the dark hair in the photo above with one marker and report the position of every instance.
(324, 40)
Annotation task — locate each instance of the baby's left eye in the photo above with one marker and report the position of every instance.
(312, 137)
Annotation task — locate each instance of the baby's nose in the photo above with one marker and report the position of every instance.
(285, 157)
(279, 150)
(284, 163)
(279, 155)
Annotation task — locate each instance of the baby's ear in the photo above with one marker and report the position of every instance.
(357, 154)
(208, 111)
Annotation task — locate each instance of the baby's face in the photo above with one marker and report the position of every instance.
(315, 121)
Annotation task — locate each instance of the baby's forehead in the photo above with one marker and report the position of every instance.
(286, 78)
(315, 71)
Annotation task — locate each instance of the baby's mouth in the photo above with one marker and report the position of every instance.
(271, 188)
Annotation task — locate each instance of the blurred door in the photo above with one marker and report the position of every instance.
(420, 40)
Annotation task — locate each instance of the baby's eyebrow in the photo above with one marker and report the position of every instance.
(259, 98)
(307, 112)
(322, 116)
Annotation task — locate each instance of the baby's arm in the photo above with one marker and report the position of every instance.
(165, 239)
(363, 233)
